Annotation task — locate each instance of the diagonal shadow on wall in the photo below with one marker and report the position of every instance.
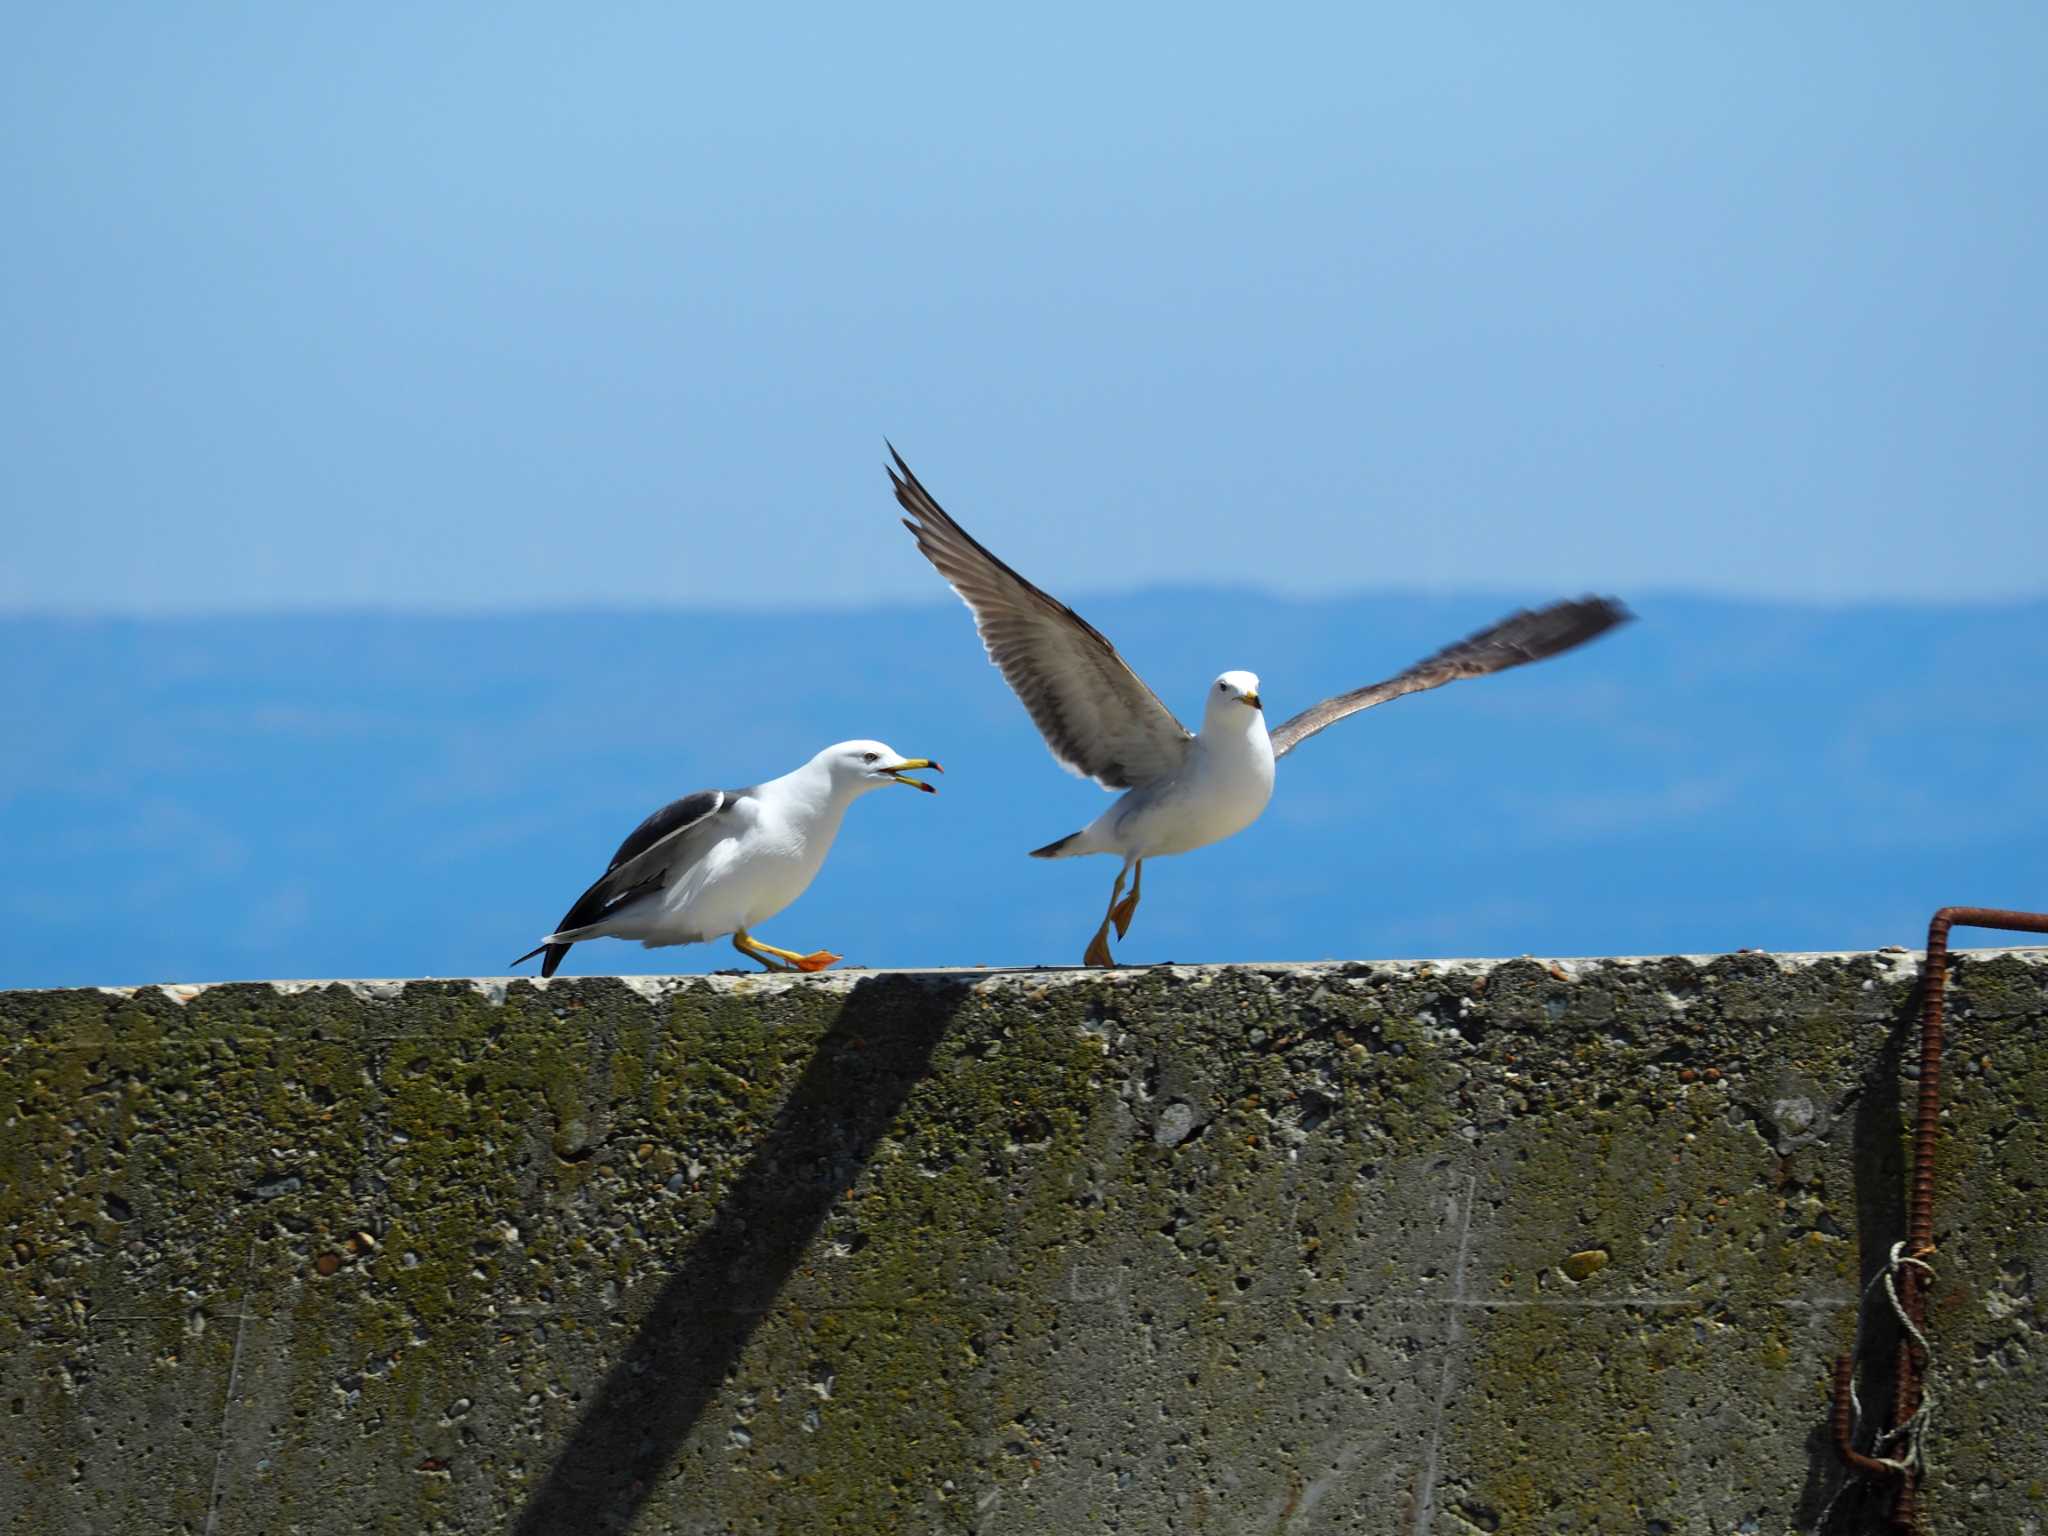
(1879, 1151)
(864, 1069)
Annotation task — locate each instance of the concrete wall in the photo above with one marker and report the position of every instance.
(1516, 1246)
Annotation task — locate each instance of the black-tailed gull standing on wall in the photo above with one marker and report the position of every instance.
(721, 860)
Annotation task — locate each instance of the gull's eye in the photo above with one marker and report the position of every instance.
(869, 757)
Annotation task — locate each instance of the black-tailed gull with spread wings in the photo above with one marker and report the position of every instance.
(1182, 790)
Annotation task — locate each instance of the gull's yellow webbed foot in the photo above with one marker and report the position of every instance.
(785, 959)
(1121, 912)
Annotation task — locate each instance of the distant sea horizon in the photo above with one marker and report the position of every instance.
(352, 792)
(1509, 594)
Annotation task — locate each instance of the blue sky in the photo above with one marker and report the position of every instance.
(545, 306)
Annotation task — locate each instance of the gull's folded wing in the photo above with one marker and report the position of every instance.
(1096, 714)
(1523, 637)
(663, 839)
(674, 835)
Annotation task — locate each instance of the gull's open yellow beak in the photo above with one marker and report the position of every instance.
(1250, 698)
(897, 773)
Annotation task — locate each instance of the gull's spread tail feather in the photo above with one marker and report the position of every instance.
(1062, 849)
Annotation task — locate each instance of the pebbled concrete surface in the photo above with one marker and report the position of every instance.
(1490, 1246)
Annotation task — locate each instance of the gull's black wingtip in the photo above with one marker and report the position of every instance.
(1590, 618)
(1600, 612)
(1536, 634)
(1580, 619)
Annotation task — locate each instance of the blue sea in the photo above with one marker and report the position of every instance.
(395, 795)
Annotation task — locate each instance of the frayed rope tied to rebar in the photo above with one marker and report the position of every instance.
(1910, 1436)
(1913, 1432)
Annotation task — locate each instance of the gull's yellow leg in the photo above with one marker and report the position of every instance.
(744, 943)
(816, 960)
(1122, 913)
(1097, 952)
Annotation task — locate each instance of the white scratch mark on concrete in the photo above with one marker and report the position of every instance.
(220, 1454)
(1425, 1498)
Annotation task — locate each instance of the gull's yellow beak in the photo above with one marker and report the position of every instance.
(1250, 698)
(897, 773)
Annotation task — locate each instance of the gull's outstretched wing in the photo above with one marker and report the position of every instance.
(1096, 714)
(1523, 637)
(672, 836)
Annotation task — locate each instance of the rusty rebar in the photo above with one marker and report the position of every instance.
(1914, 1281)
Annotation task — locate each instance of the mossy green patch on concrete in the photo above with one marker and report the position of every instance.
(1288, 1249)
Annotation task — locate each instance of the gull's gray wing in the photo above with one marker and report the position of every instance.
(1523, 637)
(1096, 714)
(674, 836)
